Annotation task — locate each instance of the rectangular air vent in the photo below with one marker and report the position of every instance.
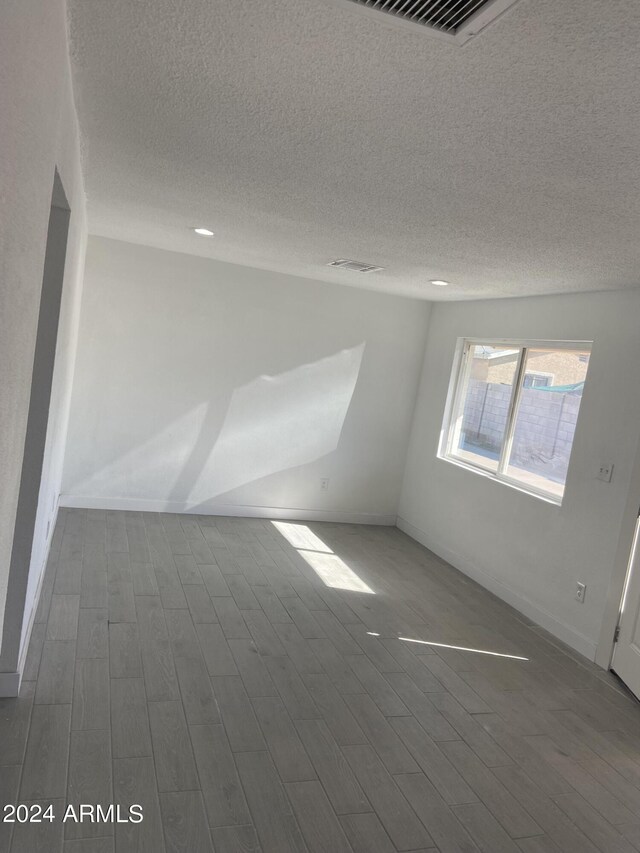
(354, 266)
(454, 20)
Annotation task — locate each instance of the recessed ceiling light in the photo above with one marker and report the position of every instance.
(204, 232)
(439, 282)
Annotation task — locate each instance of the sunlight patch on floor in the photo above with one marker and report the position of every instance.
(335, 572)
(462, 649)
(330, 568)
(300, 536)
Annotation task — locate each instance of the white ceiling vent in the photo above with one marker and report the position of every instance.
(454, 20)
(354, 266)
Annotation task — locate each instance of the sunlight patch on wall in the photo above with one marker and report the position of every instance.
(274, 423)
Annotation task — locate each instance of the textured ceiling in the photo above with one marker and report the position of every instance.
(302, 130)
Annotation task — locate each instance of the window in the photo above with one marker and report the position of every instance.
(513, 411)
(537, 380)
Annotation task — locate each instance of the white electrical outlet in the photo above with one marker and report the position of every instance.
(581, 589)
(605, 472)
(324, 484)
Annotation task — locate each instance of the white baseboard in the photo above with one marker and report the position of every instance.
(9, 684)
(238, 510)
(567, 635)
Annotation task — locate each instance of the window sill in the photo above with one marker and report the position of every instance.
(547, 497)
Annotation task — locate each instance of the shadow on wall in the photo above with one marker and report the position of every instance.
(272, 423)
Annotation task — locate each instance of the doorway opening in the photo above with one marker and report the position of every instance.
(626, 653)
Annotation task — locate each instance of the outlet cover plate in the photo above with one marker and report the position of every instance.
(605, 472)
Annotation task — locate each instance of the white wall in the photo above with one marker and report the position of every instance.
(38, 131)
(528, 551)
(208, 387)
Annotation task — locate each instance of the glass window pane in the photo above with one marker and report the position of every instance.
(546, 418)
(483, 408)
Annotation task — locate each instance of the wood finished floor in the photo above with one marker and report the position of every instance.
(200, 667)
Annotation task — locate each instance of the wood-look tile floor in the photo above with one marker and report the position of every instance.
(202, 668)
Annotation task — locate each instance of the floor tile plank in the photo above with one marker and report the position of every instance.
(294, 694)
(252, 669)
(235, 839)
(185, 823)
(125, 660)
(433, 762)
(42, 837)
(275, 824)
(400, 821)
(501, 803)
(215, 649)
(93, 633)
(339, 780)
(129, 718)
(15, 716)
(63, 617)
(91, 694)
(55, 677)
(385, 741)
(287, 751)
(9, 783)
(200, 706)
(376, 686)
(160, 678)
(134, 781)
(45, 764)
(316, 818)
(447, 831)
(89, 780)
(484, 828)
(240, 722)
(343, 725)
(175, 764)
(553, 821)
(221, 789)
(366, 834)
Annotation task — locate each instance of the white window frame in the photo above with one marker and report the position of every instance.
(450, 434)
